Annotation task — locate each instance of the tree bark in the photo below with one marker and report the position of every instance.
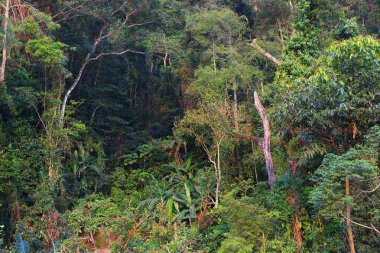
(350, 235)
(237, 130)
(5, 51)
(79, 76)
(266, 141)
(104, 34)
(218, 175)
(265, 53)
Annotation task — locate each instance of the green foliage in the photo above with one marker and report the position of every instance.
(347, 29)
(216, 26)
(252, 226)
(161, 118)
(305, 41)
(47, 51)
(340, 94)
(10, 167)
(360, 166)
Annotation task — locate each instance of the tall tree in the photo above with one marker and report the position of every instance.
(5, 40)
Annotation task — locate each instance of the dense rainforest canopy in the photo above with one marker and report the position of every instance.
(190, 126)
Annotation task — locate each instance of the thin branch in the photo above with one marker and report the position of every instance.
(120, 7)
(373, 190)
(93, 114)
(141, 24)
(114, 53)
(372, 227)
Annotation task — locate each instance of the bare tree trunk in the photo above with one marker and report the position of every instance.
(79, 75)
(218, 175)
(265, 53)
(93, 114)
(236, 118)
(281, 35)
(266, 141)
(215, 163)
(213, 54)
(350, 236)
(5, 51)
(236, 125)
(104, 34)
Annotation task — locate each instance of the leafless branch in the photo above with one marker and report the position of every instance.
(371, 227)
(141, 24)
(265, 53)
(114, 53)
(373, 190)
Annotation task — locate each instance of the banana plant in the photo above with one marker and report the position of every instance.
(184, 198)
(178, 192)
(83, 163)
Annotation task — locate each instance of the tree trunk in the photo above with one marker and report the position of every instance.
(236, 118)
(265, 53)
(213, 54)
(266, 141)
(79, 76)
(218, 175)
(5, 51)
(237, 130)
(293, 200)
(350, 236)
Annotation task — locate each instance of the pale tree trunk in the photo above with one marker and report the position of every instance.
(104, 34)
(237, 130)
(215, 163)
(266, 140)
(350, 235)
(281, 35)
(213, 54)
(218, 175)
(265, 53)
(78, 77)
(5, 51)
(236, 118)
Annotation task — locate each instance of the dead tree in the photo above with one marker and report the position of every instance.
(260, 109)
(265, 53)
(5, 51)
(266, 140)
